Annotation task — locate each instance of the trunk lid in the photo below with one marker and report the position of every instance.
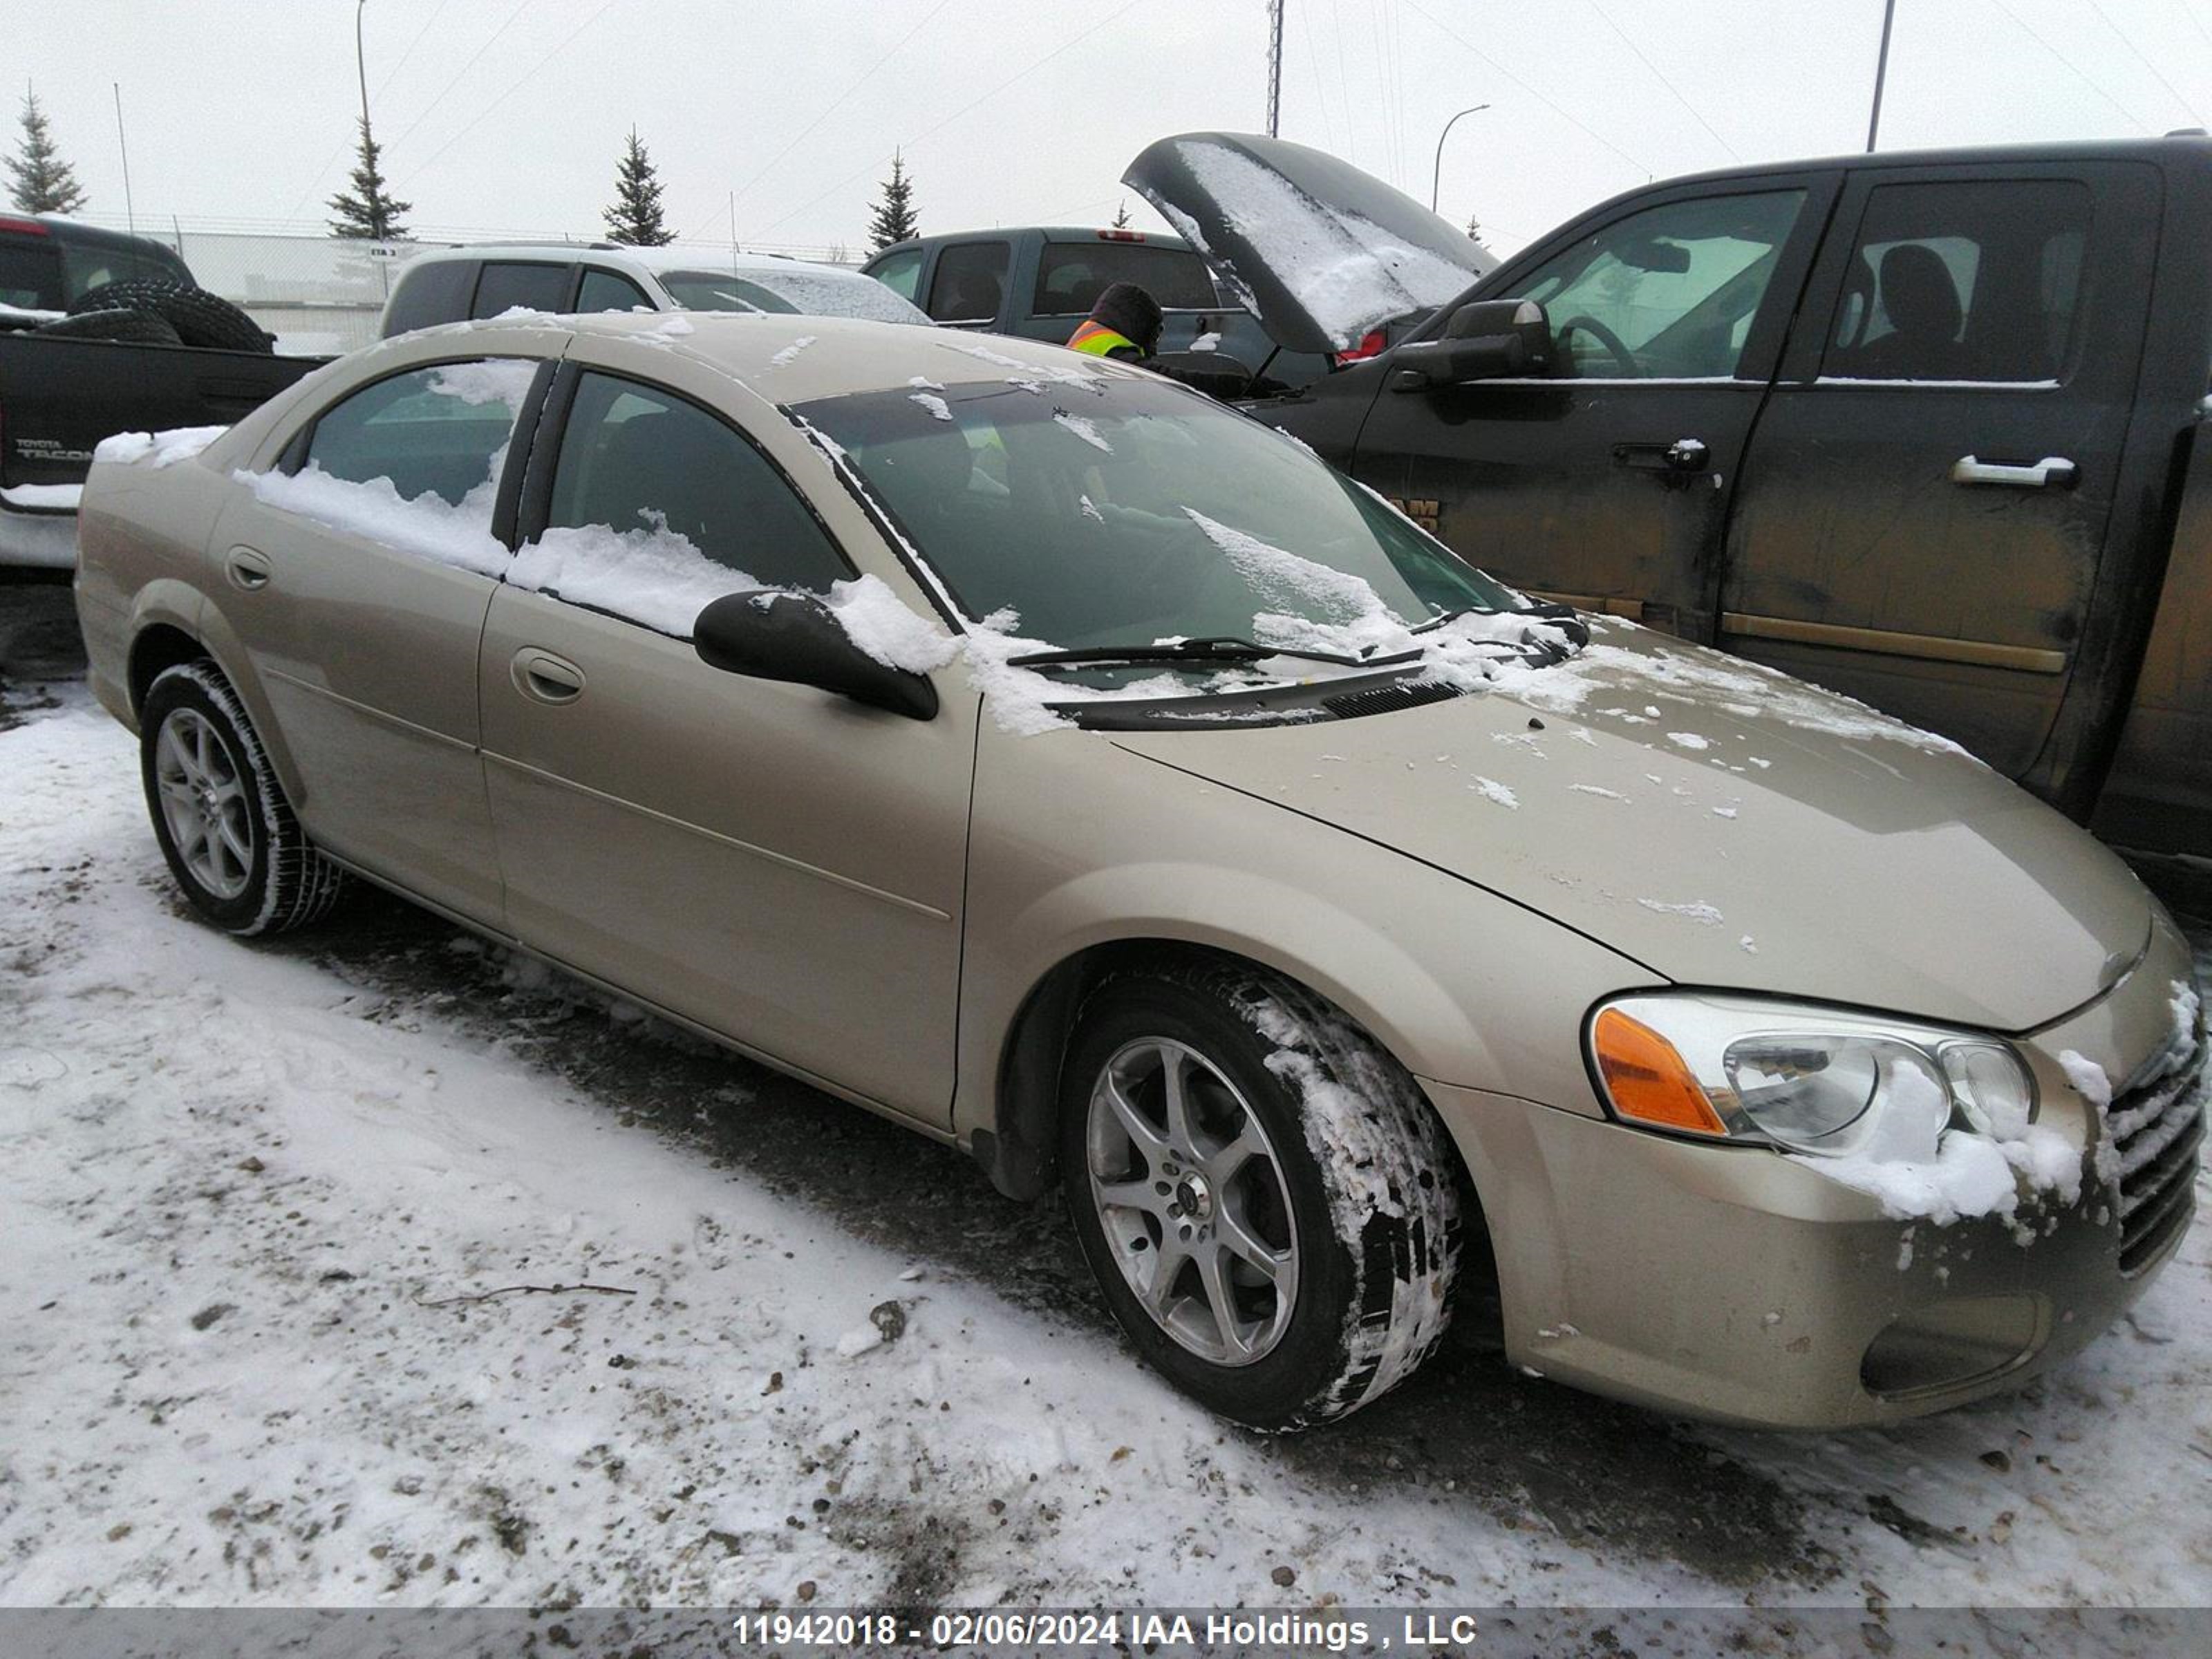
(1322, 251)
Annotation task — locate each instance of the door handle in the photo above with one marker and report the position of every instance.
(246, 569)
(544, 677)
(2052, 472)
(1683, 455)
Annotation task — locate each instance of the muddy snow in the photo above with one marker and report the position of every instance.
(375, 1265)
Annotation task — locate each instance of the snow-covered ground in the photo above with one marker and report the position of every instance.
(263, 1209)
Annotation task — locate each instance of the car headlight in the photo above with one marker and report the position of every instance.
(1810, 1079)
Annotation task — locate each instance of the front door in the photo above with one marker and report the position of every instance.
(1924, 507)
(357, 580)
(779, 865)
(1608, 481)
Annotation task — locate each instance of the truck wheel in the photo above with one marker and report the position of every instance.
(1264, 1195)
(222, 819)
(201, 319)
(126, 327)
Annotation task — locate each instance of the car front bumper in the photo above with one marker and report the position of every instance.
(1732, 1284)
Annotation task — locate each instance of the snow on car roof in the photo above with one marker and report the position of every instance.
(792, 359)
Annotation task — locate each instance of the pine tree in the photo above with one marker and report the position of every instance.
(635, 219)
(895, 219)
(368, 210)
(1122, 216)
(44, 183)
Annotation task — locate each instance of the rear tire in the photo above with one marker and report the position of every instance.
(1302, 1159)
(127, 327)
(201, 319)
(220, 816)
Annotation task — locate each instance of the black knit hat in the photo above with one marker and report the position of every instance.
(1129, 311)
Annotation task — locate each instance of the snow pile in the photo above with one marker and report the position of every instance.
(651, 575)
(1346, 271)
(503, 380)
(874, 618)
(455, 534)
(1917, 1170)
(1086, 430)
(161, 448)
(1491, 790)
(937, 408)
(789, 355)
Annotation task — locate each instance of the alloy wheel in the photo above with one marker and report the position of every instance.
(204, 802)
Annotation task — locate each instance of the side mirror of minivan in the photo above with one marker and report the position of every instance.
(770, 634)
(1484, 340)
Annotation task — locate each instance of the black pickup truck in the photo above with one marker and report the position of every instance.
(1919, 427)
(64, 286)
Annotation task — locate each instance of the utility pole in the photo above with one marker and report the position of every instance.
(1881, 71)
(1274, 67)
(123, 149)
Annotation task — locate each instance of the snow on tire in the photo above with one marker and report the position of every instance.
(1265, 1196)
(219, 813)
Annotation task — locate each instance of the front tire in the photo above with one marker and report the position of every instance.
(220, 816)
(1265, 1196)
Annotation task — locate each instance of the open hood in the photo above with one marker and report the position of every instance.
(1322, 251)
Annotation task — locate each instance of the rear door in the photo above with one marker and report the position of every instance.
(1608, 481)
(1924, 509)
(358, 586)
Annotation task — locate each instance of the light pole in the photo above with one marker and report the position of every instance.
(1435, 182)
(361, 65)
(1881, 72)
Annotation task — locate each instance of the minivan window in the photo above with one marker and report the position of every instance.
(1971, 280)
(970, 283)
(437, 431)
(533, 286)
(1070, 276)
(645, 465)
(1671, 291)
(603, 291)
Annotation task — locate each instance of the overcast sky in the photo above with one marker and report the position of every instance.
(506, 115)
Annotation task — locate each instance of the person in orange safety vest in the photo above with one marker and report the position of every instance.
(1125, 324)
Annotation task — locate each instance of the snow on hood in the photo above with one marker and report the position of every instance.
(1322, 251)
(1722, 824)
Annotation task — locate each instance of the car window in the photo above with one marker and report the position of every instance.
(1670, 291)
(603, 291)
(720, 290)
(30, 273)
(440, 431)
(1070, 276)
(430, 291)
(899, 272)
(84, 269)
(533, 286)
(969, 283)
(658, 491)
(1130, 509)
(1976, 280)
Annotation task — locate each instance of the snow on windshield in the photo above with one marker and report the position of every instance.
(1348, 272)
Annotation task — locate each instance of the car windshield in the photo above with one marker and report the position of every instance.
(816, 293)
(1125, 511)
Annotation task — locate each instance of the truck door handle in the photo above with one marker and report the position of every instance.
(2052, 472)
(246, 569)
(1683, 455)
(544, 677)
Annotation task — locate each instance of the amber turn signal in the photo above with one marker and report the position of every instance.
(1647, 1080)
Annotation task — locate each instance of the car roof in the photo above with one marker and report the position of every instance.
(1107, 234)
(794, 359)
(648, 259)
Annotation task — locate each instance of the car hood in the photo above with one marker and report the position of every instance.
(1322, 251)
(1723, 825)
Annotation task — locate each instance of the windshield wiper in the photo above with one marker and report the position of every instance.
(1561, 617)
(1217, 647)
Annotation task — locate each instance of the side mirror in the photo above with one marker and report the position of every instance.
(1483, 340)
(769, 634)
